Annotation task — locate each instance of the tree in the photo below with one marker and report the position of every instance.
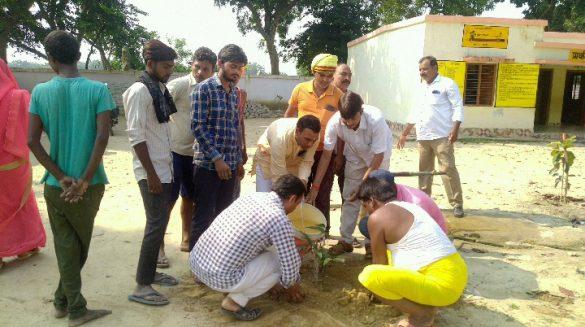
(107, 26)
(255, 69)
(330, 30)
(183, 54)
(397, 10)
(267, 17)
(562, 16)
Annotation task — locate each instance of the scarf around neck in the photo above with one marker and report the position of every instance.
(164, 106)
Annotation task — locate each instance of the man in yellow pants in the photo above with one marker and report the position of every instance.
(424, 271)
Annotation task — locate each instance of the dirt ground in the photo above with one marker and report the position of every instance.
(526, 260)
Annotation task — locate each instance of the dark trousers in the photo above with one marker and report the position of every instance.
(156, 207)
(212, 196)
(72, 226)
(323, 200)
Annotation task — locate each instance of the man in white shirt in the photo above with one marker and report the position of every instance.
(148, 106)
(368, 147)
(202, 68)
(288, 145)
(437, 119)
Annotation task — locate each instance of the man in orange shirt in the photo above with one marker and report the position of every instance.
(320, 98)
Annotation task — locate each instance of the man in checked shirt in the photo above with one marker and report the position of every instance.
(249, 249)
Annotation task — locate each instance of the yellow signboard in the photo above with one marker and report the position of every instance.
(481, 36)
(455, 70)
(517, 85)
(577, 56)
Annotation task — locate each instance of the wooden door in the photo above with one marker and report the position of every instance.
(543, 96)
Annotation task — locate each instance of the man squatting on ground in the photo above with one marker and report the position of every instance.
(249, 249)
(415, 267)
(74, 112)
(181, 89)
(218, 152)
(368, 147)
(287, 146)
(148, 106)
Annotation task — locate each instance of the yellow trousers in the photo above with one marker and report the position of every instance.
(439, 284)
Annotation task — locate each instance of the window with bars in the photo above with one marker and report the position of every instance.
(480, 84)
(576, 87)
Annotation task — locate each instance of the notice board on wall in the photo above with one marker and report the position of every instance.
(577, 56)
(481, 36)
(517, 85)
(455, 70)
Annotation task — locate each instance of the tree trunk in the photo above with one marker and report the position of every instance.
(88, 58)
(105, 61)
(274, 62)
(3, 45)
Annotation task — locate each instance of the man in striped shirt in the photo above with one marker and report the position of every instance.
(216, 126)
(249, 249)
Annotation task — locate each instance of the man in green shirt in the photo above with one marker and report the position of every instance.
(74, 112)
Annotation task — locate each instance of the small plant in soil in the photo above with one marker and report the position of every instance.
(322, 256)
(562, 160)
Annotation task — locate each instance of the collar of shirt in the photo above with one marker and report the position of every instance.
(435, 81)
(216, 82)
(311, 89)
(192, 80)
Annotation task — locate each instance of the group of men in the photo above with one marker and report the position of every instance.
(187, 139)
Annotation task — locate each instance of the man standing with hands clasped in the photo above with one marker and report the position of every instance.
(437, 119)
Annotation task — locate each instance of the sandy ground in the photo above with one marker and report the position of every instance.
(526, 261)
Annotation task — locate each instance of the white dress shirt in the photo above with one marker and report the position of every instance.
(439, 106)
(372, 137)
(181, 136)
(143, 126)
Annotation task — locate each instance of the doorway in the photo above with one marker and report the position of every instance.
(545, 77)
(574, 99)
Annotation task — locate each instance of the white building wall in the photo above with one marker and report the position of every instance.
(444, 41)
(385, 70)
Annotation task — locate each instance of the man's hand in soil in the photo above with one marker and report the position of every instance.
(223, 170)
(154, 184)
(294, 295)
(276, 292)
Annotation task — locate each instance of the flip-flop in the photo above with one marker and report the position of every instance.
(163, 263)
(164, 279)
(153, 298)
(243, 314)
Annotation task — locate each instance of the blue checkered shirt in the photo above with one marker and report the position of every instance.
(215, 125)
(238, 235)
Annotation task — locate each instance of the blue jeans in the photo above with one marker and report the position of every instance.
(363, 227)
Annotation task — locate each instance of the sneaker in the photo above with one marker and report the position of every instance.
(458, 212)
(368, 255)
(341, 248)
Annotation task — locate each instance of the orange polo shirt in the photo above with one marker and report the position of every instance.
(322, 107)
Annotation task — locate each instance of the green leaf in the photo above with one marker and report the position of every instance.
(570, 158)
(327, 261)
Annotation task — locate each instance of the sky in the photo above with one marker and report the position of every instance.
(201, 23)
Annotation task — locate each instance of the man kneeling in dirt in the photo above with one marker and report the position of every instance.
(249, 249)
(415, 266)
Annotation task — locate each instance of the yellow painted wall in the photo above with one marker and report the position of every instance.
(558, 91)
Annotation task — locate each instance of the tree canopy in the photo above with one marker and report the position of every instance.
(108, 26)
(562, 16)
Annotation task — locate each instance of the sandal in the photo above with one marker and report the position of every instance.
(243, 314)
(164, 279)
(153, 298)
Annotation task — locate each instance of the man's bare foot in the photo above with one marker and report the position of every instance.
(162, 261)
(28, 253)
(184, 246)
(59, 313)
(89, 316)
(425, 318)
